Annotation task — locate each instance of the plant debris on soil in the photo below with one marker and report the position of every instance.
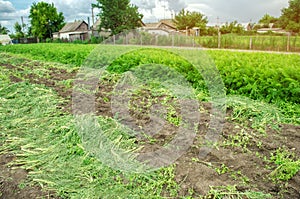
(240, 159)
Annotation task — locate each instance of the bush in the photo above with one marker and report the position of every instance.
(48, 40)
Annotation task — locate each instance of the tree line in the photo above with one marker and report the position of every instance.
(120, 15)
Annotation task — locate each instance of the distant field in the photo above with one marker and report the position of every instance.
(259, 42)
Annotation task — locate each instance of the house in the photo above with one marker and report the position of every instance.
(163, 27)
(78, 30)
(5, 40)
(273, 30)
(95, 30)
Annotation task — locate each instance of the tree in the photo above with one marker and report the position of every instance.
(45, 20)
(19, 31)
(3, 30)
(233, 27)
(118, 15)
(290, 17)
(267, 20)
(187, 19)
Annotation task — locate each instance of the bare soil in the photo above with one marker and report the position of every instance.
(245, 168)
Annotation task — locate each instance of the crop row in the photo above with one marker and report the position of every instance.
(263, 76)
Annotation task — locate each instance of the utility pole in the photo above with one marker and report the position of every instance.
(93, 17)
(22, 21)
(219, 33)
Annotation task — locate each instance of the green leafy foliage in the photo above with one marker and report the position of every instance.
(62, 53)
(268, 77)
(118, 15)
(290, 17)
(158, 56)
(272, 78)
(267, 19)
(287, 164)
(232, 27)
(186, 19)
(3, 30)
(19, 31)
(45, 20)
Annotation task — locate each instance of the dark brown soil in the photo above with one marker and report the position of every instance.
(245, 165)
(11, 179)
(246, 168)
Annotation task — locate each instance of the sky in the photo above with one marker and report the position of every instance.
(243, 11)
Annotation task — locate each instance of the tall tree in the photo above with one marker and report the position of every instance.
(187, 19)
(232, 27)
(19, 31)
(267, 20)
(45, 20)
(3, 30)
(118, 15)
(290, 16)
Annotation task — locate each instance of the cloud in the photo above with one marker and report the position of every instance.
(242, 10)
(74, 9)
(6, 7)
(144, 4)
(176, 5)
(9, 13)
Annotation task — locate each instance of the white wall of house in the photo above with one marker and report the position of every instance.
(55, 35)
(64, 35)
(5, 40)
(158, 32)
(68, 35)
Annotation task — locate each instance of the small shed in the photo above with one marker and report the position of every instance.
(5, 40)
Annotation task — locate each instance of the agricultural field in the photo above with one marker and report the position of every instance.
(44, 153)
(254, 42)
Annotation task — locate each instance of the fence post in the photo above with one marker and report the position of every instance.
(114, 37)
(288, 42)
(250, 45)
(173, 39)
(219, 39)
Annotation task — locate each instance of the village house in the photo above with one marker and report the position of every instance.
(273, 30)
(5, 40)
(163, 27)
(78, 30)
(95, 30)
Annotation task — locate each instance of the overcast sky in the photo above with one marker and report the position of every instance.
(226, 10)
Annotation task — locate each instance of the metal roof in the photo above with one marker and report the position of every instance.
(71, 27)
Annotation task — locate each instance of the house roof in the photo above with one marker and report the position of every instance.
(96, 25)
(71, 27)
(151, 25)
(167, 22)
